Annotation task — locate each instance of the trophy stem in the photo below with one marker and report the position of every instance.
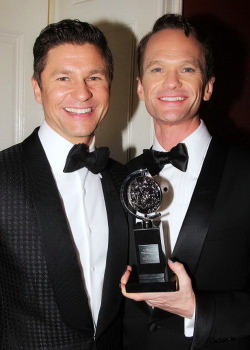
(147, 223)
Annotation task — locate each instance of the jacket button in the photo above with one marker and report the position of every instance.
(153, 327)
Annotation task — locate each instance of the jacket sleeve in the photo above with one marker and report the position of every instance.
(221, 316)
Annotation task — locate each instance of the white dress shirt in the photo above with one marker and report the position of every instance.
(82, 197)
(177, 188)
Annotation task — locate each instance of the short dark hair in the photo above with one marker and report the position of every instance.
(69, 31)
(172, 21)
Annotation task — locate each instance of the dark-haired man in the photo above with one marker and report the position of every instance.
(62, 230)
(205, 210)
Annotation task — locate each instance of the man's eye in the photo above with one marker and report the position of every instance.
(63, 78)
(156, 70)
(188, 70)
(93, 78)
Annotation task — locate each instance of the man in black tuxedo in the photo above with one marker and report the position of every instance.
(205, 209)
(63, 232)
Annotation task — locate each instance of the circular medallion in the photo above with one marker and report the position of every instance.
(144, 195)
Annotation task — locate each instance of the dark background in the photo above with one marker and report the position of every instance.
(228, 22)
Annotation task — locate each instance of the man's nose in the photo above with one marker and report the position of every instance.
(171, 80)
(81, 91)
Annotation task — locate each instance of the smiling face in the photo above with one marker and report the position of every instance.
(172, 83)
(74, 91)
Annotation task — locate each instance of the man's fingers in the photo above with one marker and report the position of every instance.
(178, 269)
(126, 275)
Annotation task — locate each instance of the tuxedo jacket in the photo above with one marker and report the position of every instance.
(43, 301)
(214, 246)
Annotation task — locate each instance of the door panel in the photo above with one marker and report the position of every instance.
(20, 23)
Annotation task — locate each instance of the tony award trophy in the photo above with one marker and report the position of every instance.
(141, 196)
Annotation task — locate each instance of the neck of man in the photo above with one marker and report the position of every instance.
(169, 135)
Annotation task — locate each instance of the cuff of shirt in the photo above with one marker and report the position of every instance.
(189, 326)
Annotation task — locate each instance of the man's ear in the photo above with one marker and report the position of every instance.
(208, 90)
(36, 90)
(140, 91)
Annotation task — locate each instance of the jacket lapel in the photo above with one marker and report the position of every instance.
(117, 250)
(60, 254)
(197, 220)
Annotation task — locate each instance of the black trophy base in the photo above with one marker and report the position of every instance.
(149, 283)
(151, 287)
(150, 272)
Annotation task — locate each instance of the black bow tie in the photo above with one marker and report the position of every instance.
(79, 157)
(155, 160)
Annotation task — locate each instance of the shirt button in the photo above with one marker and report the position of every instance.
(153, 327)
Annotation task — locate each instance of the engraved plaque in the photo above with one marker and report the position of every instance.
(149, 254)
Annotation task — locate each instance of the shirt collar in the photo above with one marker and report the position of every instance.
(56, 147)
(197, 144)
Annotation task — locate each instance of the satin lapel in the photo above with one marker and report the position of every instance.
(117, 253)
(197, 220)
(60, 254)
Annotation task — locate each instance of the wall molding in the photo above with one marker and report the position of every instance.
(75, 2)
(169, 6)
(16, 42)
(163, 6)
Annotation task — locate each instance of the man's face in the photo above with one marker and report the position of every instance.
(74, 91)
(172, 83)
